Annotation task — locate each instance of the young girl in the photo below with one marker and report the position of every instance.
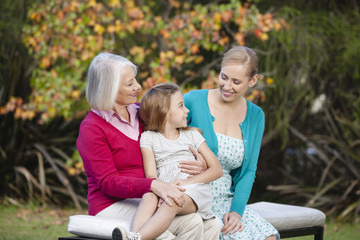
(164, 144)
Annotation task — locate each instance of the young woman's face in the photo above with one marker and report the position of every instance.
(234, 82)
(178, 112)
(128, 89)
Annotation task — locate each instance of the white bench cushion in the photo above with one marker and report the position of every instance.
(283, 216)
(94, 227)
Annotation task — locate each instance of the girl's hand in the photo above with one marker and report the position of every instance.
(232, 223)
(194, 167)
(168, 191)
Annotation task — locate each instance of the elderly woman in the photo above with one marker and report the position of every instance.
(108, 143)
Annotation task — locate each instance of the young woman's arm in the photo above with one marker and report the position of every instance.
(193, 167)
(213, 172)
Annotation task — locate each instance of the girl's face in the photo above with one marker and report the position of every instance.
(234, 82)
(128, 89)
(177, 112)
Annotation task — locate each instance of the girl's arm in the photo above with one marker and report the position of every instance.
(214, 170)
(162, 189)
(149, 162)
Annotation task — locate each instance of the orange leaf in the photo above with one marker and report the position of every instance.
(264, 36)
(92, 3)
(240, 39)
(194, 48)
(175, 3)
(31, 114)
(114, 3)
(60, 15)
(75, 94)
(45, 62)
(111, 29)
(18, 113)
(227, 16)
(199, 59)
(179, 59)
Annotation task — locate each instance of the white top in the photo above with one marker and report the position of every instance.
(168, 153)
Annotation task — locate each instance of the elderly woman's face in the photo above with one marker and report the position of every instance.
(128, 89)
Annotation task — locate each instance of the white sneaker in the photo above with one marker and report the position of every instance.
(133, 236)
(119, 233)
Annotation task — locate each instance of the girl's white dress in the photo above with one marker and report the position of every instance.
(168, 154)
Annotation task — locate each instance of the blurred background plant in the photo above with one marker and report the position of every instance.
(308, 88)
(311, 150)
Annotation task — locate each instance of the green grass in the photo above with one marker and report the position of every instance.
(39, 223)
(337, 231)
(34, 223)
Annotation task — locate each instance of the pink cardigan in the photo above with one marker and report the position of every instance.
(112, 163)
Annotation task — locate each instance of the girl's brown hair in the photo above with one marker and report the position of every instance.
(156, 104)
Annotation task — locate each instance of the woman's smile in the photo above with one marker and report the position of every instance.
(135, 94)
(226, 93)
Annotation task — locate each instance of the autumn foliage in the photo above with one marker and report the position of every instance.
(169, 41)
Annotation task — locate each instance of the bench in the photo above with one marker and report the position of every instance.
(289, 220)
(292, 221)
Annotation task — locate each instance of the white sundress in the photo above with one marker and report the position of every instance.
(168, 154)
(230, 156)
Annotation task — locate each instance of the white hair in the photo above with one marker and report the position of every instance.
(103, 80)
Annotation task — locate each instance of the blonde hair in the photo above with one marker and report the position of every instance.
(103, 80)
(243, 56)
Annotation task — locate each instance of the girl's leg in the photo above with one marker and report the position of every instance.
(163, 217)
(145, 211)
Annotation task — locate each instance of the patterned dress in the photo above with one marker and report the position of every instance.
(230, 155)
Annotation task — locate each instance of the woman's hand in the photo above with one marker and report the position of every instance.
(194, 167)
(232, 223)
(168, 191)
(160, 202)
(180, 182)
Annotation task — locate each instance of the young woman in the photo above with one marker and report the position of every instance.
(164, 144)
(233, 128)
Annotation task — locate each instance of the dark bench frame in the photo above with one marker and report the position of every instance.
(317, 231)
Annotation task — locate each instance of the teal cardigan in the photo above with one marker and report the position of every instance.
(252, 129)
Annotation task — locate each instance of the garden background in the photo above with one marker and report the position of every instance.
(309, 89)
